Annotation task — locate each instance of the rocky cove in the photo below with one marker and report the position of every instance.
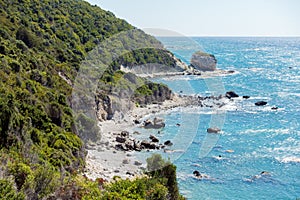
(115, 153)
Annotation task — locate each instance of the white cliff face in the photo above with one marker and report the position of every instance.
(203, 61)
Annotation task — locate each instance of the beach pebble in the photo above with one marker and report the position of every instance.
(137, 163)
(125, 161)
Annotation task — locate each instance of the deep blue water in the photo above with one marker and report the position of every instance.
(262, 139)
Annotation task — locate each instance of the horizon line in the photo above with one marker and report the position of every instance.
(270, 36)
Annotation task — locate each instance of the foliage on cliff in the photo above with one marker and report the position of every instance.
(42, 44)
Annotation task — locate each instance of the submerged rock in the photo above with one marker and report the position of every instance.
(213, 130)
(261, 103)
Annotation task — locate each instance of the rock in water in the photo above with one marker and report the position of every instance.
(203, 61)
(153, 138)
(213, 130)
(261, 103)
(156, 124)
(231, 94)
(168, 143)
(246, 97)
(196, 173)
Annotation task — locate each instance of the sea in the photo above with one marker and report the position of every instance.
(253, 139)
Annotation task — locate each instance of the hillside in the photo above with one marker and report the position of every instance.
(42, 47)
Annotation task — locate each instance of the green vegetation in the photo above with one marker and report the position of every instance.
(201, 53)
(145, 56)
(42, 44)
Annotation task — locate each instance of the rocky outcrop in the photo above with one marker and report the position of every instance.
(203, 61)
(157, 93)
(104, 109)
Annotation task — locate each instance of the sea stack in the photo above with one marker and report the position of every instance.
(203, 61)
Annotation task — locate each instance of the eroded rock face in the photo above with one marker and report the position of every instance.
(104, 107)
(203, 61)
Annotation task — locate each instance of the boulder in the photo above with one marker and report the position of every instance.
(156, 124)
(136, 146)
(153, 138)
(213, 130)
(137, 163)
(168, 143)
(125, 133)
(136, 121)
(152, 146)
(145, 144)
(125, 161)
(129, 144)
(231, 94)
(203, 61)
(120, 147)
(246, 97)
(261, 103)
(274, 108)
(120, 139)
(196, 173)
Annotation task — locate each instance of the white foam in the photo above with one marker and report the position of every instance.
(291, 159)
(278, 131)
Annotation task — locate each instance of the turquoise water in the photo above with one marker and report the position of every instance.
(262, 139)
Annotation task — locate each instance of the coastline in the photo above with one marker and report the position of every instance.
(104, 161)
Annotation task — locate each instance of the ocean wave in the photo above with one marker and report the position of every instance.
(291, 159)
(284, 94)
(278, 131)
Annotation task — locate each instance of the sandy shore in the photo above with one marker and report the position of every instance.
(104, 161)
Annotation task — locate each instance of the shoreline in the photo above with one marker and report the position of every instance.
(202, 74)
(104, 161)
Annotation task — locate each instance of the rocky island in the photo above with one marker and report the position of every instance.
(203, 61)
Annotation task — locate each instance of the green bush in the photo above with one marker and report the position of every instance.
(8, 192)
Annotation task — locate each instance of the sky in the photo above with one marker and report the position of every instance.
(210, 17)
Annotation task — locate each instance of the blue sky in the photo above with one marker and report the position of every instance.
(211, 17)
